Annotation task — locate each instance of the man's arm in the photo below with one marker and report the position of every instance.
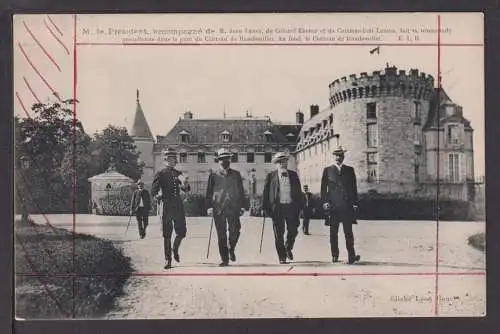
(241, 191)
(155, 188)
(354, 187)
(210, 191)
(265, 195)
(324, 186)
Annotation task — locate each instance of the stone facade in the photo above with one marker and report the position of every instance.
(389, 123)
(252, 140)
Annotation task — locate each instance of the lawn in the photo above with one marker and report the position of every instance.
(52, 281)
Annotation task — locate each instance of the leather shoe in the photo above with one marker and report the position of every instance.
(168, 265)
(283, 261)
(335, 259)
(289, 254)
(354, 259)
(224, 264)
(176, 256)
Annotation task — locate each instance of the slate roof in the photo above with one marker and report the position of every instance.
(140, 127)
(444, 99)
(242, 131)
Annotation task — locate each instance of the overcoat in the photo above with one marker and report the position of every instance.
(339, 189)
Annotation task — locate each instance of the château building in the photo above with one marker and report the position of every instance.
(402, 135)
(253, 141)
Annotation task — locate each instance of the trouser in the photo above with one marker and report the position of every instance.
(349, 239)
(142, 220)
(223, 223)
(169, 223)
(286, 215)
(305, 222)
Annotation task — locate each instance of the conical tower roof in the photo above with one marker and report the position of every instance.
(140, 127)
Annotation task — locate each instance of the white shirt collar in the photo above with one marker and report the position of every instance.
(338, 166)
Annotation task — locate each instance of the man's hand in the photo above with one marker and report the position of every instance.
(158, 197)
(242, 211)
(210, 211)
(326, 206)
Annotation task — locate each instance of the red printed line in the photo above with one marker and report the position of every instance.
(275, 44)
(38, 72)
(436, 305)
(31, 90)
(55, 36)
(44, 284)
(41, 46)
(256, 274)
(22, 105)
(55, 25)
(75, 77)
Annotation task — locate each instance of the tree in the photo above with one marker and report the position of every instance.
(42, 142)
(114, 146)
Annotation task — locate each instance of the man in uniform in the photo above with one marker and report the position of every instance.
(140, 205)
(226, 201)
(282, 201)
(308, 210)
(170, 181)
(339, 195)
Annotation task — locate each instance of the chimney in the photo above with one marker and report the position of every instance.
(314, 110)
(299, 117)
(188, 115)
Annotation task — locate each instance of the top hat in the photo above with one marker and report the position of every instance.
(169, 152)
(338, 151)
(223, 153)
(306, 186)
(280, 156)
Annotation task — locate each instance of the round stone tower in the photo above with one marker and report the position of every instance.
(379, 120)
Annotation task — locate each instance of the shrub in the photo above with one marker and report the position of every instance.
(117, 204)
(194, 205)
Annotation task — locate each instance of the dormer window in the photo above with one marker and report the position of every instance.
(226, 136)
(184, 136)
(269, 136)
(453, 134)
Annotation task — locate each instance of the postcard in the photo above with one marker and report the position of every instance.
(233, 166)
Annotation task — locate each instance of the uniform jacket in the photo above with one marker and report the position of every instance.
(339, 188)
(271, 196)
(225, 193)
(136, 200)
(167, 180)
(308, 203)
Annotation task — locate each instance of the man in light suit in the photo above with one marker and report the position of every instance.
(340, 201)
(282, 201)
(140, 205)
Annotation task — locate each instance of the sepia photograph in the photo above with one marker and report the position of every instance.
(232, 166)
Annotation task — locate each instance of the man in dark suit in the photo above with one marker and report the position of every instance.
(170, 182)
(340, 201)
(282, 201)
(225, 200)
(307, 210)
(140, 205)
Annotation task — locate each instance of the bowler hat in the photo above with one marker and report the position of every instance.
(279, 157)
(223, 153)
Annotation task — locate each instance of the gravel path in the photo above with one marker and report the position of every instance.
(394, 278)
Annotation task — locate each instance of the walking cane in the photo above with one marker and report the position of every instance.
(262, 233)
(210, 236)
(128, 224)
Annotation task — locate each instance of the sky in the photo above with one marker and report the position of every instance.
(273, 81)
